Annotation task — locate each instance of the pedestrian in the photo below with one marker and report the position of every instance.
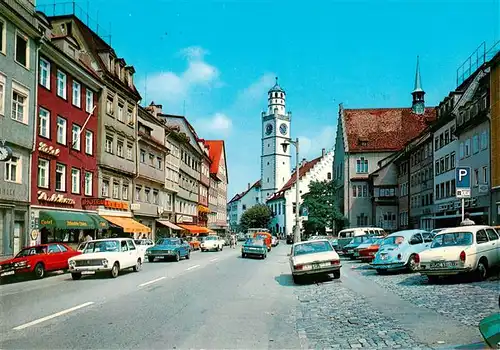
(467, 221)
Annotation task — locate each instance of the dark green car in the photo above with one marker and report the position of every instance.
(254, 247)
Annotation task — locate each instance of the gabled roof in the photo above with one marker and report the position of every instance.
(215, 150)
(242, 194)
(383, 129)
(193, 139)
(234, 199)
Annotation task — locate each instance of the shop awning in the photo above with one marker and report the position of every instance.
(195, 229)
(129, 225)
(169, 224)
(100, 222)
(68, 220)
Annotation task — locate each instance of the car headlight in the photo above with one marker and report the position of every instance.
(105, 262)
(72, 263)
(21, 263)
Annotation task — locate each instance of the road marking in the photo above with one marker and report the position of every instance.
(57, 314)
(214, 259)
(153, 281)
(192, 267)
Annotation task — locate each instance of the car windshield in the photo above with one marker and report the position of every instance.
(210, 238)
(393, 240)
(254, 241)
(452, 239)
(312, 247)
(169, 241)
(139, 241)
(31, 251)
(357, 240)
(81, 246)
(101, 246)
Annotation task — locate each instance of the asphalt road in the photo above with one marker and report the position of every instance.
(218, 300)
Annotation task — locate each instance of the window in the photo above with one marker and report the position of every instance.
(476, 177)
(88, 183)
(44, 123)
(354, 191)
(147, 192)
(137, 193)
(452, 160)
(76, 95)
(20, 103)
(116, 190)
(436, 143)
(2, 92)
(75, 180)
(60, 177)
(362, 165)
(467, 147)
(129, 150)
(61, 84)
(44, 73)
(105, 188)
(130, 117)
(143, 156)
(109, 143)
(453, 188)
(155, 197)
(89, 142)
(61, 130)
(447, 163)
(43, 173)
(2, 35)
(446, 137)
(75, 137)
(125, 192)
(484, 140)
(475, 144)
(159, 163)
(462, 150)
(109, 105)
(119, 148)
(89, 100)
(484, 176)
(151, 160)
(22, 54)
(120, 112)
(13, 170)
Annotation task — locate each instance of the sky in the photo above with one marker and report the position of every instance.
(215, 60)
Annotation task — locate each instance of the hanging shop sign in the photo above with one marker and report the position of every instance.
(50, 150)
(54, 198)
(98, 202)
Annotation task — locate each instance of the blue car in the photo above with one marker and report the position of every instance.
(254, 247)
(169, 248)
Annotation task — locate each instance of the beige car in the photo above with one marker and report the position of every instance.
(314, 258)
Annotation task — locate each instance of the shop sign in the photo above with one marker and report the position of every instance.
(55, 198)
(115, 204)
(44, 148)
(97, 202)
(92, 202)
(71, 223)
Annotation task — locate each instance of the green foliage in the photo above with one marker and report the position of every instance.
(321, 204)
(258, 216)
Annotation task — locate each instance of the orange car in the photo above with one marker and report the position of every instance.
(367, 254)
(193, 243)
(266, 237)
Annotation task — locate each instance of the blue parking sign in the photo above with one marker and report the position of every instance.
(463, 177)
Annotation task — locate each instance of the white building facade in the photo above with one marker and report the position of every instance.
(242, 202)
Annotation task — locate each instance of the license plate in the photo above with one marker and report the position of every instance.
(442, 264)
(88, 272)
(316, 266)
(383, 257)
(7, 273)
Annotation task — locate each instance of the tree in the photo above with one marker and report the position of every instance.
(321, 204)
(257, 216)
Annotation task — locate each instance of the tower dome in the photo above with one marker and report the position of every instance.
(276, 97)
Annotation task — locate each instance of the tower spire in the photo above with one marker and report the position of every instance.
(418, 105)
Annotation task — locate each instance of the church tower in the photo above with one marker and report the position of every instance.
(275, 163)
(418, 105)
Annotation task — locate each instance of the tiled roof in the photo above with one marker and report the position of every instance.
(384, 129)
(302, 172)
(235, 198)
(215, 149)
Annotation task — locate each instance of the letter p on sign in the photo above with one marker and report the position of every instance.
(461, 174)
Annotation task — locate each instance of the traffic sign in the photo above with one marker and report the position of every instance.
(463, 182)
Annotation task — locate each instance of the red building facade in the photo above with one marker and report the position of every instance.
(64, 160)
(204, 185)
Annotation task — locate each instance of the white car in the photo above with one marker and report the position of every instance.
(143, 244)
(211, 243)
(106, 255)
(399, 250)
(313, 258)
(461, 250)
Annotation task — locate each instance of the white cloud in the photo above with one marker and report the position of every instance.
(310, 147)
(174, 88)
(217, 125)
(255, 92)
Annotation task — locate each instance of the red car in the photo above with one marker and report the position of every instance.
(368, 254)
(38, 259)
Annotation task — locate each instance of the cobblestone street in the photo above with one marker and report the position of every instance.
(334, 314)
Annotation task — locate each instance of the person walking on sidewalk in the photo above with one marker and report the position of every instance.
(467, 221)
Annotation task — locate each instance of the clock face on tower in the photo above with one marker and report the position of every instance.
(269, 129)
(283, 129)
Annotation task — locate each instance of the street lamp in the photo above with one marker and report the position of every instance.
(297, 196)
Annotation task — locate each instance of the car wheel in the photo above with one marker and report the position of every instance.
(138, 265)
(115, 270)
(243, 255)
(336, 275)
(39, 271)
(76, 276)
(221, 248)
(380, 271)
(151, 258)
(177, 257)
(296, 279)
(412, 264)
(482, 270)
(188, 255)
(432, 279)
(264, 256)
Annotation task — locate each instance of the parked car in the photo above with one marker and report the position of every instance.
(275, 241)
(143, 244)
(212, 243)
(348, 250)
(345, 236)
(461, 250)
(106, 256)
(193, 242)
(169, 248)
(367, 243)
(254, 247)
(313, 258)
(38, 260)
(368, 253)
(399, 250)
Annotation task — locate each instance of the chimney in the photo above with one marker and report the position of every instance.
(323, 152)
